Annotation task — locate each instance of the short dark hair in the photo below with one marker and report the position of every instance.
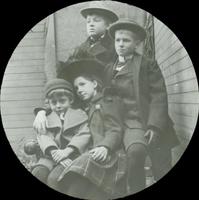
(92, 77)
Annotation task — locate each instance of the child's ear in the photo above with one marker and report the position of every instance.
(95, 83)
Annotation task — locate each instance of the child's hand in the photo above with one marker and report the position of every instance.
(99, 153)
(66, 163)
(61, 154)
(40, 122)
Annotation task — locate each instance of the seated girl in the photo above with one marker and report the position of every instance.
(100, 172)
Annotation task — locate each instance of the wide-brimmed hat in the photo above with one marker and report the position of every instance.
(98, 7)
(130, 25)
(77, 67)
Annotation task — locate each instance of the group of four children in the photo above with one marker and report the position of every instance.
(98, 150)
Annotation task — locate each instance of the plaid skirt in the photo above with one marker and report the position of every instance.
(108, 176)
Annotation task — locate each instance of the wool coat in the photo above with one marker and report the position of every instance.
(106, 130)
(103, 50)
(74, 132)
(142, 78)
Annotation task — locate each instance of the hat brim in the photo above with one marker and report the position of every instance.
(135, 28)
(89, 67)
(100, 11)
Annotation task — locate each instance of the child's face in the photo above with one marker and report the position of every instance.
(86, 89)
(59, 103)
(125, 42)
(96, 25)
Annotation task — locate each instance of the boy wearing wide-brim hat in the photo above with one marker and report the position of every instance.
(98, 44)
(140, 85)
(101, 170)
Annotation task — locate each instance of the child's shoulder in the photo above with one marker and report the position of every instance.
(76, 113)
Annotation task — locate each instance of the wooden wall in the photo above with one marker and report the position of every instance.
(181, 82)
(22, 86)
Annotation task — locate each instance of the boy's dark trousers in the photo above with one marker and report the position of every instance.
(49, 177)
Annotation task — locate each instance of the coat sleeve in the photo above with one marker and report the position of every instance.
(46, 142)
(158, 107)
(113, 129)
(81, 139)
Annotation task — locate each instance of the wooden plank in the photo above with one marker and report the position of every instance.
(37, 49)
(37, 28)
(162, 34)
(21, 96)
(168, 39)
(13, 90)
(157, 25)
(181, 64)
(17, 117)
(31, 42)
(186, 74)
(27, 63)
(22, 104)
(186, 86)
(27, 56)
(24, 69)
(17, 124)
(17, 110)
(33, 35)
(24, 76)
(171, 52)
(180, 53)
(184, 109)
(184, 121)
(18, 131)
(191, 97)
(159, 30)
(23, 83)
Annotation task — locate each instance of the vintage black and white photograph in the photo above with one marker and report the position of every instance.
(99, 100)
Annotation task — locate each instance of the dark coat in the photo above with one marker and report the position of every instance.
(103, 50)
(150, 93)
(74, 132)
(106, 130)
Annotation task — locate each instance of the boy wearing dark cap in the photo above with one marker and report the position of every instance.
(98, 44)
(139, 83)
(67, 135)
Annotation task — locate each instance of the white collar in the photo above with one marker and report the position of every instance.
(123, 59)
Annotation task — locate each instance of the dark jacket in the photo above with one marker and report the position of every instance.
(150, 93)
(106, 130)
(103, 50)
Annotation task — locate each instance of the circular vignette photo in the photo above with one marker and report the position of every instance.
(99, 100)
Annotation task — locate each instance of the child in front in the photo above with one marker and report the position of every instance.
(67, 135)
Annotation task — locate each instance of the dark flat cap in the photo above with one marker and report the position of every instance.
(130, 25)
(57, 84)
